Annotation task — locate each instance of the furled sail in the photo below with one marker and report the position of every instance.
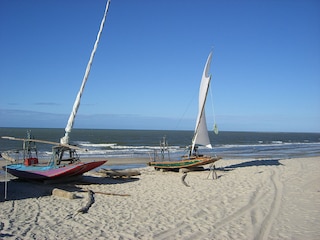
(65, 139)
(201, 136)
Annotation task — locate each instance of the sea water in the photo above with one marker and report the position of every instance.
(102, 143)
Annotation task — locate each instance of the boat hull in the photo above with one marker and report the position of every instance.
(185, 163)
(38, 172)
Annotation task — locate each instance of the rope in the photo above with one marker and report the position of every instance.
(215, 127)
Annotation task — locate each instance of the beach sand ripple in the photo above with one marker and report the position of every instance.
(260, 199)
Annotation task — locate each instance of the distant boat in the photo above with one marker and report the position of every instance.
(200, 138)
(64, 161)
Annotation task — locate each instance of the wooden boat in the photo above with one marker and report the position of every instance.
(63, 163)
(60, 165)
(185, 163)
(121, 173)
(200, 138)
(38, 172)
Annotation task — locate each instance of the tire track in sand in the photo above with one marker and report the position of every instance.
(261, 230)
(257, 196)
(274, 208)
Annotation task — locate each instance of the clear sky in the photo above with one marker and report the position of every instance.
(148, 66)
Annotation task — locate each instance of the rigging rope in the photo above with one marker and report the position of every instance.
(215, 127)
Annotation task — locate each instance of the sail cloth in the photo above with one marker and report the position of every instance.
(65, 139)
(201, 136)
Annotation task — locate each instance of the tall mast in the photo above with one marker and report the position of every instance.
(65, 139)
(201, 136)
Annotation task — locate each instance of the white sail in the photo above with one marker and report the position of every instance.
(65, 139)
(201, 136)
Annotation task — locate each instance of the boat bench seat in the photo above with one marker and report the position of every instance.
(74, 159)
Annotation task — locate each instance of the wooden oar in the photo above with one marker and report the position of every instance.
(40, 141)
(113, 194)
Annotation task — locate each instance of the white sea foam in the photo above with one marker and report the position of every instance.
(275, 148)
(229, 145)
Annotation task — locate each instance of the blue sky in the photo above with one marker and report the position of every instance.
(148, 66)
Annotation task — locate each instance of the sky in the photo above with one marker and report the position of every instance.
(148, 66)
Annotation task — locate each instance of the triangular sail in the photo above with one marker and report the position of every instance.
(65, 139)
(201, 136)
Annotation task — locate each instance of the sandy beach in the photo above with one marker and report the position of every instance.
(251, 199)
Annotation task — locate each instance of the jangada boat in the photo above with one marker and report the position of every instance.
(64, 161)
(200, 138)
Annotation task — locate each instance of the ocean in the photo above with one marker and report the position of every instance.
(103, 143)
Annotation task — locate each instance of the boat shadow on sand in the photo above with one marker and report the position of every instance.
(18, 189)
(220, 171)
(269, 162)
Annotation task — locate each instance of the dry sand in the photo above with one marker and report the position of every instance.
(260, 199)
